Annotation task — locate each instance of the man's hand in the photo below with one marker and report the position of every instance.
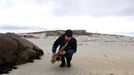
(63, 52)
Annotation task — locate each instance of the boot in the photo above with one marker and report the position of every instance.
(68, 64)
(62, 64)
(63, 61)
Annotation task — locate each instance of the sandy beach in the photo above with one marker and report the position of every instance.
(96, 55)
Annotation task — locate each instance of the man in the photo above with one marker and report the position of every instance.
(70, 49)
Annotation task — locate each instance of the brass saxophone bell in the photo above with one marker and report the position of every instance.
(57, 58)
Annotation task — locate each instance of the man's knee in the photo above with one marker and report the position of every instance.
(69, 56)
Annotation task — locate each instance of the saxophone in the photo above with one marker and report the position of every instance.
(57, 57)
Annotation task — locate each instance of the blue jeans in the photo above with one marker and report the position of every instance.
(68, 56)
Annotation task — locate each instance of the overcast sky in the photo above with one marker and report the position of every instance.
(104, 16)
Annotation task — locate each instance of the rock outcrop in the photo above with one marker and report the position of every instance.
(15, 50)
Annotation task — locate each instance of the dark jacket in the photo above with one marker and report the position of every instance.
(71, 46)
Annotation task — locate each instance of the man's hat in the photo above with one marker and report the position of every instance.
(69, 33)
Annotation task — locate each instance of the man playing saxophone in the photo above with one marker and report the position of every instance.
(69, 43)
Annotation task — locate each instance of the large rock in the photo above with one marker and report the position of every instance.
(8, 47)
(15, 50)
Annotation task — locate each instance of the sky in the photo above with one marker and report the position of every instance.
(102, 16)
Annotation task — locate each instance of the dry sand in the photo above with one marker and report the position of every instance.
(96, 55)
